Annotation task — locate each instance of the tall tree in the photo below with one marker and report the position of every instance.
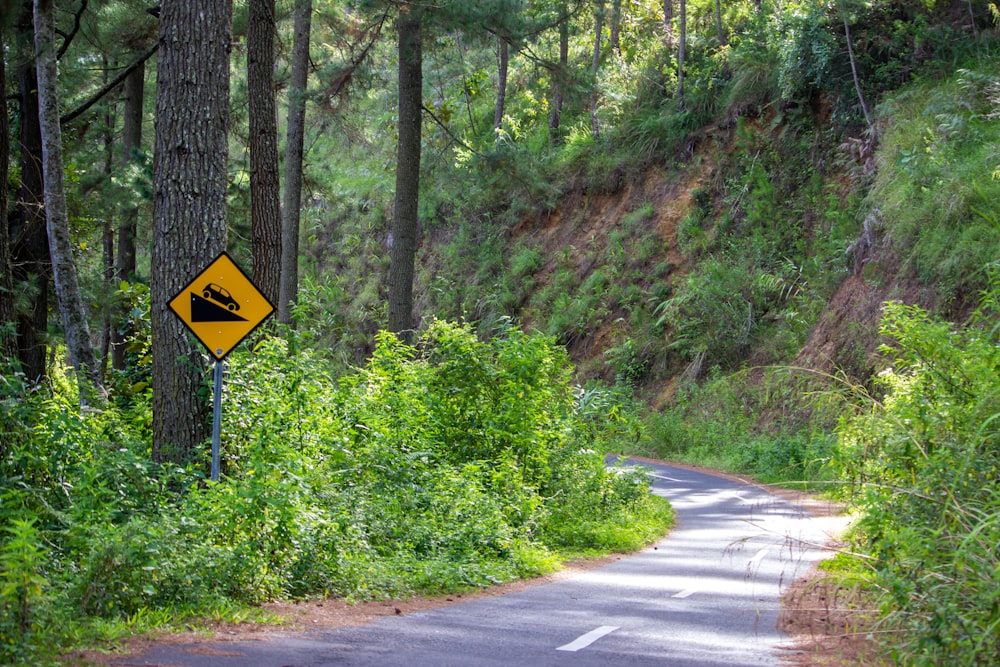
(681, 50)
(595, 67)
(265, 192)
(189, 207)
(108, 236)
(668, 24)
(8, 339)
(402, 254)
(125, 260)
(616, 27)
(71, 306)
(503, 63)
(450, 15)
(29, 238)
(559, 75)
(292, 196)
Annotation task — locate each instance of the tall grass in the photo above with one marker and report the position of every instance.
(924, 461)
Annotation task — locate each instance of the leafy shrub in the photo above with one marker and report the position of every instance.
(806, 51)
(451, 464)
(23, 558)
(925, 459)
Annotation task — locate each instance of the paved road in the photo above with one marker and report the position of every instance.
(705, 596)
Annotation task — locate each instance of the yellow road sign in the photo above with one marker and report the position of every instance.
(221, 306)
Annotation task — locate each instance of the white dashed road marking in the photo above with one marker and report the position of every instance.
(663, 477)
(586, 640)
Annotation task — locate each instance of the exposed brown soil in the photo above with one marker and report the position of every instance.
(828, 623)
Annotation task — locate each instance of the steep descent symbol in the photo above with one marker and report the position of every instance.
(221, 306)
(214, 304)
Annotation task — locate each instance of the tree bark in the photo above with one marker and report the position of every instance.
(402, 253)
(295, 141)
(29, 238)
(559, 77)
(681, 47)
(265, 189)
(8, 339)
(503, 63)
(71, 307)
(595, 68)
(668, 24)
(189, 214)
(616, 26)
(125, 260)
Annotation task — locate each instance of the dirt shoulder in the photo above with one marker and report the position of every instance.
(827, 622)
(819, 615)
(307, 615)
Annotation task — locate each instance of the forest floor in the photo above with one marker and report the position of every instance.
(824, 620)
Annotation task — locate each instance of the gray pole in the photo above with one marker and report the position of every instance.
(217, 421)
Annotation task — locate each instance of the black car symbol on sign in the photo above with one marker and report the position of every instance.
(220, 295)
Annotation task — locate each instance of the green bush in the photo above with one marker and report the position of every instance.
(926, 459)
(451, 464)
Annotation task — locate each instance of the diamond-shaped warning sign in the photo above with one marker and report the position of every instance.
(221, 306)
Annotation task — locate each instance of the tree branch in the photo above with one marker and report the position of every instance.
(70, 116)
(340, 80)
(447, 131)
(72, 33)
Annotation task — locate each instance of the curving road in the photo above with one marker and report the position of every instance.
(707, 595)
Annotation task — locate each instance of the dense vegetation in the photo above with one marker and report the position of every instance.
(446, 466)
(786, 247)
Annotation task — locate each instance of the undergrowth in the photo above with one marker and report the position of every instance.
(452, 464)
(923, 461)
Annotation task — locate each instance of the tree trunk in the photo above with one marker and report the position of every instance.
(616, 26)
(125, 266)
(29, 238)
(504, 61)
(680, 56)
(595, 68)
(189, 214)
(559, 77)
(295, 141)
(402, 253)
(265, 189)
(71, 307)
(108, 324)
(668, 24)
(854, 70)
(8, 339)
(718, 23)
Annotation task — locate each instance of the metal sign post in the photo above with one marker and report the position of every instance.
(217, 422)
(221, 306)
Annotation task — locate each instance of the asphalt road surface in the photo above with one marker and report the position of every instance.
(707, 595)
